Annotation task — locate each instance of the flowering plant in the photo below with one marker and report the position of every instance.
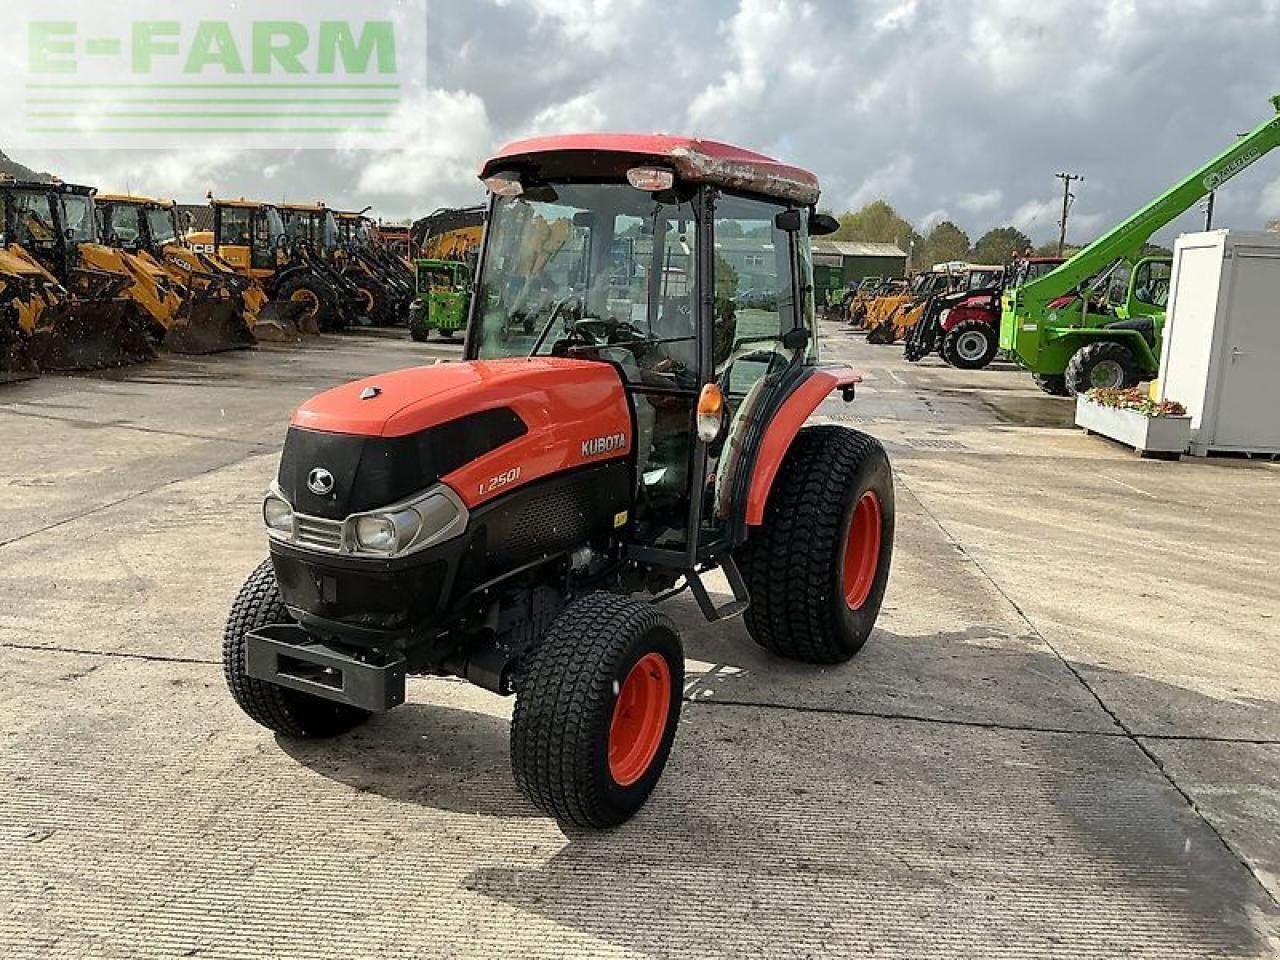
(1137, 400)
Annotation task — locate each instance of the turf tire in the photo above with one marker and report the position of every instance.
(287, 712)
(565, 701)
(794, 564)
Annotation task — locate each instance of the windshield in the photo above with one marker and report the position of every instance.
(275, 223)
(329, 231)
(160, 223)
(77, 216)
(574, 267)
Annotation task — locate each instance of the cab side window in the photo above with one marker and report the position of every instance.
(235, 226)
(754, 299)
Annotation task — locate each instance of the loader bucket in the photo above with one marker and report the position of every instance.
(16, 360)
(209, 326)
(278, 322)
(91, 335)
(288, 316)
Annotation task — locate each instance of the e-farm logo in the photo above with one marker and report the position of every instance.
(270, 73)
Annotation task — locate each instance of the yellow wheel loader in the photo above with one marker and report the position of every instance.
(73, 312)
(221, 309)
(27, 291)
(250, 237)
(316, 239)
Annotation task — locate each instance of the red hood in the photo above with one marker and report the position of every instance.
(407, 401)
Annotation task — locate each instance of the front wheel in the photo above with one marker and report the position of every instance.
(596, 710)
(1054, 384)
(970, 345)
(288, 712)
(1101, 365)
(817, 568)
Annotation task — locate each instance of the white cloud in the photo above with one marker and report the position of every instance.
(582, 114)
(768, 40)
(883, 183)
(1270, 203)
(900, 15)
(932, 219)
(439, 139)
(597, 23)
(983, 202)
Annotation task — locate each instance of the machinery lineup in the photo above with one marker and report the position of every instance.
(627, 419)
(1095, 319)
(91, 281)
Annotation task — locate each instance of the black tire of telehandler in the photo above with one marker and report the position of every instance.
(794, 564)
(1086, 360)
(287, 712)
(954, 340)
(1054, 384)
(565, 701)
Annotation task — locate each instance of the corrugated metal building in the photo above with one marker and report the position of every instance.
(838, 263)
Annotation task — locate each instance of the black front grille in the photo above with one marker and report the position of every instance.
(374, 472)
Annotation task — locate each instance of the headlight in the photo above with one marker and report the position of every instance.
(277, 514)
(387, 533)
(408, 527)
(397, 530)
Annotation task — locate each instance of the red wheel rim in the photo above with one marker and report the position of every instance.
(639, 719)
(862, 550)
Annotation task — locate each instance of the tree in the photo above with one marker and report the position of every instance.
(943, 243)
(1001, 245)
(877, 222)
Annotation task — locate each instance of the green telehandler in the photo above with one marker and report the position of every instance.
(1098, 320)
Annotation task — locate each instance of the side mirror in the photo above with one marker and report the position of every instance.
(788, 221)
(822, 225)
(584, 218)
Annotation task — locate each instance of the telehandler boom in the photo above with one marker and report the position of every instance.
(1057, 325)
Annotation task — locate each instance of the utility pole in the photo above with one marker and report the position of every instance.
(1067, 196)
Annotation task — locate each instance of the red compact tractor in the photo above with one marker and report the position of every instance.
(629, 417)
(964, 327)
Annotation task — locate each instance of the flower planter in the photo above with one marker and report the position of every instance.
(1165, 437)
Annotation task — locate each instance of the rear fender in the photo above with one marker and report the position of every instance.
(782, 430)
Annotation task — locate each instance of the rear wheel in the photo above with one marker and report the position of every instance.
(817, 568)
(596, 710)
(289, 712)
(970, 345)
(318, 306)
(1101, 365)
(1054, 384)
(371, 300)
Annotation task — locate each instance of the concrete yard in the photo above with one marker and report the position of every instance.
(1063, 740)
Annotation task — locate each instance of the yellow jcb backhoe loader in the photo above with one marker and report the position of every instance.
(250, 237)
(72, 313)
(222, 308)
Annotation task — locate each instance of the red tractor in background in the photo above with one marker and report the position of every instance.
(629, 417)
(964, 326)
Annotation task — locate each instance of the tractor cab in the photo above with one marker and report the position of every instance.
(690, 274)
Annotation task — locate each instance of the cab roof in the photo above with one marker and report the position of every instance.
(694, 161)
(46, 186)
(133, 198)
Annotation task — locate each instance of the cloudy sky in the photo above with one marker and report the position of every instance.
(961, 109)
